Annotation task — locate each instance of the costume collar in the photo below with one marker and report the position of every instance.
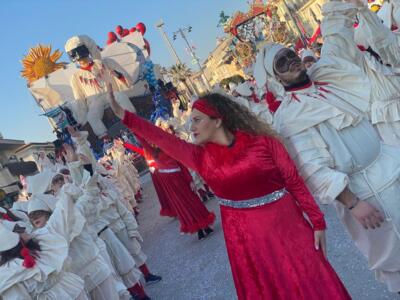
(299, 86)
(88, 68)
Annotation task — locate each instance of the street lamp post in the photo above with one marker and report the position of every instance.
(181, 31)
(172, 50)
(160, 25)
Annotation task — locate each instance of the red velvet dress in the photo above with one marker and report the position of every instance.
(173, 181)
(165, 208)
(270, 247)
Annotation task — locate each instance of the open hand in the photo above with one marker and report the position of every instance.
(320, 241)
(73, 132)
(84, 159)
(69, 153)
(367, 215)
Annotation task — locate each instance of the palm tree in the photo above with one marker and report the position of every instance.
(181, 73)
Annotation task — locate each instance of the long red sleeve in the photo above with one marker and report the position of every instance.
(186, 153)
(296, 186)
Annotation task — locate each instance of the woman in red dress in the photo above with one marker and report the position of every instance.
(274, 252)
(165, 208)
(173, 179)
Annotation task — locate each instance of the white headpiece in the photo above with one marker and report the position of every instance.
(264, 69)
(20, 205)
(42, 202)
(243, 89)
(79, 40)
(232, 86)
(40, 183)
(8, 239)
(307, 53)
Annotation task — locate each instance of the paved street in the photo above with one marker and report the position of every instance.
(200, 270)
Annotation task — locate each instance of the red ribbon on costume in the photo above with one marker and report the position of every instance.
(29, 260)
(5, 217)
(272, 103)
(88, 67)
(134, 148)
(255, 98)
(206, 108)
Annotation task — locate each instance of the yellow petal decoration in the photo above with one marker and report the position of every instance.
(39, 62)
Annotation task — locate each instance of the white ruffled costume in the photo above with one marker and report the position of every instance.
(335, 146)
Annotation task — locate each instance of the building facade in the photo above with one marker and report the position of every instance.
(220, 64)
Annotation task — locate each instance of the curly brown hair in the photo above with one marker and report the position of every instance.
(238, 117)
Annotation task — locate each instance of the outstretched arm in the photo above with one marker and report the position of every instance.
(381, 39)
(338, 32)
(188, 154)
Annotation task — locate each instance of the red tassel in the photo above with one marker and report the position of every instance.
(29, 260)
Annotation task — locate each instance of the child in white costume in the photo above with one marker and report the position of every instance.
(120, 219)
(90, 203)
(84, 257)
(40, 274)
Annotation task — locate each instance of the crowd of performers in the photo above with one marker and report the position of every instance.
(304, 128)
(77, 236)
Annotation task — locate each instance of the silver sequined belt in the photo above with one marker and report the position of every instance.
(255, 202)
(169, 170)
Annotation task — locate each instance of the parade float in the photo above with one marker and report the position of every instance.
(51, 82)
(251, 30)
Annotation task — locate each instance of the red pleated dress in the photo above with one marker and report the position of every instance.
(270, 247)
(172, 180)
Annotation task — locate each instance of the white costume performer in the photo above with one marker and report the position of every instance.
(246, 91)
(335, 147)
(47, 280)
(385, 82)
(371, 33)
(90, 204)
(93, 203)
(89, 83)
(84, 257)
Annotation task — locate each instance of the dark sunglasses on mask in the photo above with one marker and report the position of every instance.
(284, 60)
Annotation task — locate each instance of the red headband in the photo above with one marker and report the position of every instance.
(206, 108)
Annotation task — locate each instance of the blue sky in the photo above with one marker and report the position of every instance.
(26, 23)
